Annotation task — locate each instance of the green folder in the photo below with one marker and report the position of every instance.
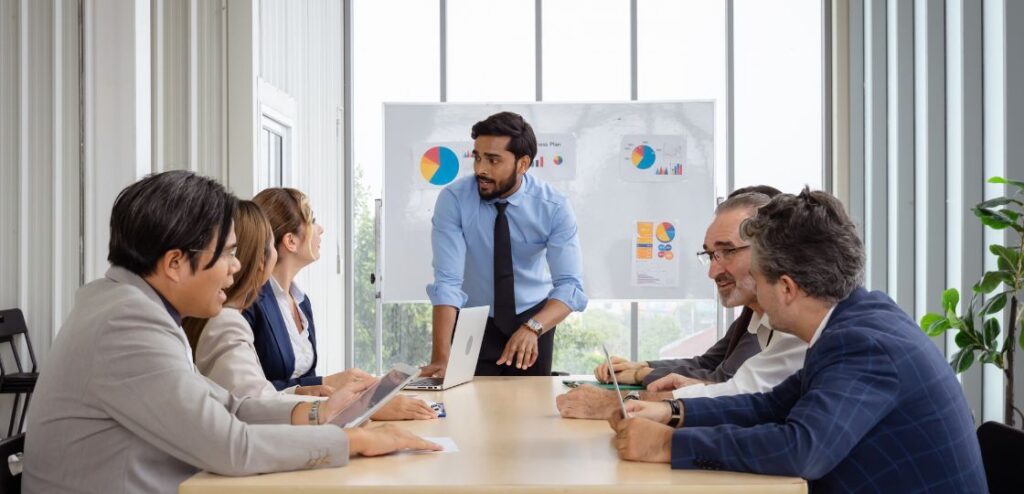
(628, 387)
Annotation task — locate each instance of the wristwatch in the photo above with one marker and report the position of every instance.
(676, 415)
(535, 326)
(632, 395)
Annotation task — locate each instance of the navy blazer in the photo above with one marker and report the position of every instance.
(876, 408)
(270, 336)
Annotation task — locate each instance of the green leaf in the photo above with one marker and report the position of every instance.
(962, 360)
(991, 280)
(998, 360)
(938, 327)
(954, 320)
(999, 201)
(963, 339)
(1020, 338)
(1013, 215)
(991, 330)
(988, 357)
(1003, 265)
(1001, 180)
(950, 299)
(993, 219)
(1011, 256)
(929, 319)
(966, 359)
(995, 304)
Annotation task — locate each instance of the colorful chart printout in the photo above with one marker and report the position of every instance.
(556, 158)
(654, 261)
(440, 163)
(653, 158)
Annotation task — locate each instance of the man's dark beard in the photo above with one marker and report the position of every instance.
(500, 188)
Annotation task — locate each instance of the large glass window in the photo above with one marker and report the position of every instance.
(385, 67)
(778, 93)
(491, 47)
(586, 50)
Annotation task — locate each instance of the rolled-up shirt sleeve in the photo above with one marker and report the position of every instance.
(449, 245)
(565, 260)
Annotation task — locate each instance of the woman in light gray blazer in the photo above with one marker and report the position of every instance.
(119, 406)
(223, 345)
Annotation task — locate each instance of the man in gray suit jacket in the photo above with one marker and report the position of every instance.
(119, 407)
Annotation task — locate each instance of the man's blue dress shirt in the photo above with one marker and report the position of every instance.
(545, 247)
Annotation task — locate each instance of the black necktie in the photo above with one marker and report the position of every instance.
(504, 279)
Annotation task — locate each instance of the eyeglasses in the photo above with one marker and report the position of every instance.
(224, 254)
(721, 255)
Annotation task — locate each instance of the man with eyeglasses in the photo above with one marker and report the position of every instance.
(749, 358)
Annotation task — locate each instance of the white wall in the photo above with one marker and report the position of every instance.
(154, 80)
(39, 173)
(301, 54)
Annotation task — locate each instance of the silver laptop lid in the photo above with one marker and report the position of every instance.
(469, 335)
(615, 380)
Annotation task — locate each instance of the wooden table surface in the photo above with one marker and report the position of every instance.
(510, 439)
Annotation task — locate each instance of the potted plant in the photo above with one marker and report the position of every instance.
(979, 334)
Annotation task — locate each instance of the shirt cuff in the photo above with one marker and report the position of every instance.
(445, 295)
(570, 295)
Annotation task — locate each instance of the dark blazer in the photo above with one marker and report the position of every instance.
(270, 336)
(720, 362)
(876, 408)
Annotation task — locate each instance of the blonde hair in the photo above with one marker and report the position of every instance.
(253, 233)
(288, 211)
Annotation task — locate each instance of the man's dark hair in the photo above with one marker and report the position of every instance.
(167, 211)
(809, 238)
(522, 143)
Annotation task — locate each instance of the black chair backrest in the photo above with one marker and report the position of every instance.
(1002, 450)
(12, 323)
(10, 483)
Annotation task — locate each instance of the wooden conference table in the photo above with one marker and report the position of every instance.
(510, 438)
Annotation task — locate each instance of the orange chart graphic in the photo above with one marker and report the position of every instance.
(439, 165)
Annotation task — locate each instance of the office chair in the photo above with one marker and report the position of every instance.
(10, 472)
(12, 323)
(1002, 451)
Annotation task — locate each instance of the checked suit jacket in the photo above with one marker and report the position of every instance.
(876, 408)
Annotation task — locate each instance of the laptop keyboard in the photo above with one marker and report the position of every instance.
(428, 381)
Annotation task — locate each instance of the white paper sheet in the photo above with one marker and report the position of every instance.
(446, 442)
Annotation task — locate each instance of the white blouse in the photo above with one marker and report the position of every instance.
(301, 346)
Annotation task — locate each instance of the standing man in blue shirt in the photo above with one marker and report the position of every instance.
(505, 239)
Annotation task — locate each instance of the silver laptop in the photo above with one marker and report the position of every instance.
(469, 335)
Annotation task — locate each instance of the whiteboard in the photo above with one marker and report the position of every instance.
(607, 199)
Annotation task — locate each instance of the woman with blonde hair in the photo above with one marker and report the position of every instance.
(224, 345)
(282, 316)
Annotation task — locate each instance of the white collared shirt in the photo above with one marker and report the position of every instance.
(824, 322)
(761, 327)
(779, 358)
(301, 346)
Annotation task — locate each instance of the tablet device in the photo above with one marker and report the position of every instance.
(615, 381)
(376, 396)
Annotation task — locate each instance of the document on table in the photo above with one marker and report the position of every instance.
(446, 442)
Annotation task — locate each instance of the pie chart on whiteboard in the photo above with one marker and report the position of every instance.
(439, 165)
(643, 156)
